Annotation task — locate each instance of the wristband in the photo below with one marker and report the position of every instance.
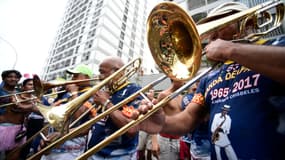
(128, 111)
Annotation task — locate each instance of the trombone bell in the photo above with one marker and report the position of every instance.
(174, 41)
(54, 115)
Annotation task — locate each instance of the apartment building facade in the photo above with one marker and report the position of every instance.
(94, 29)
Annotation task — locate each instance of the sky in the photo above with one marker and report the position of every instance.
(27, 31)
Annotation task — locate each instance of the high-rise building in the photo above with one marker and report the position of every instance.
(94, 29)
(199, 8)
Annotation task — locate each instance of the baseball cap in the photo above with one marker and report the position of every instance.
(223, 10)
(83, 69)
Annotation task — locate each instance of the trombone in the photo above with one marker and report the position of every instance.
(182, 60)
(40, 88)
(17, 100)
(57, 116)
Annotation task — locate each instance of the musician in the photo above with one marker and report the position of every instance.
(197, 139)
(147, 143)
(145, 146)
(169, 144)
(34, 121)
(124, 147)
(254, 117)
(72, 148)
(220, 129)
(12, 117)
(10, 81)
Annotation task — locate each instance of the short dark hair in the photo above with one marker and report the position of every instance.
(26, 81)
(7, 72)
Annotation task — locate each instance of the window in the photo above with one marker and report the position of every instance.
(125, 18)
(124, 26)
(85, 56)
(67, 63)
(121, 45)
(73, 60)
(122, 35)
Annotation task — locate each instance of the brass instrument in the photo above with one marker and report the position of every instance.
(181, 58)
(88, 124)
(176, 48)
(17, 99)
(41, 87)
(57, 116)
(215, 136)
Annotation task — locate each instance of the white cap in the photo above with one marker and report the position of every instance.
(222, 10)
(226, 107)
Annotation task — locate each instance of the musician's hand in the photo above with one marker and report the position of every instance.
(49, 139)
(150, 94)
(219, 50)
(155, 150)
(26, 106)
(154, 123)
(100, 97)
(72, 88)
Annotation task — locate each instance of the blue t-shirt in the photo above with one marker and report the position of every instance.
(201, 132)
(242, 116)
(186, 100)
(124, 144)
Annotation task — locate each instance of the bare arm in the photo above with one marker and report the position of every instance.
(177, 124)
(267, 60)
(185, 121)
(118, 118)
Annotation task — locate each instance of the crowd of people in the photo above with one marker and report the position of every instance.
(234, 112)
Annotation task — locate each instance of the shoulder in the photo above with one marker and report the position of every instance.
(133, 86)
(127, 90)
